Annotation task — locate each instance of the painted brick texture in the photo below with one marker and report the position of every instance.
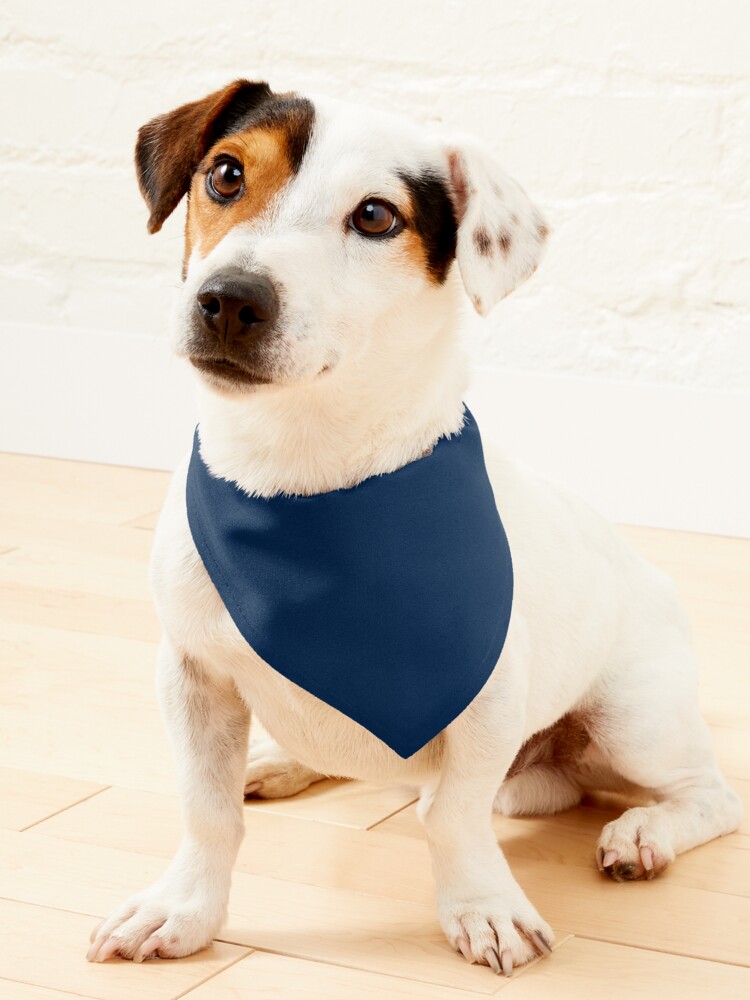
(629, 123)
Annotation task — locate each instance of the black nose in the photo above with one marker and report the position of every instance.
(234, 305)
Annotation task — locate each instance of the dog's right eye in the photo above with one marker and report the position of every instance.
(375, 217)
(224, 180)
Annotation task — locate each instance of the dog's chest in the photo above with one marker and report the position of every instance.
(196, 620)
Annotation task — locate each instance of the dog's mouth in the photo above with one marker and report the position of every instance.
(226, 371)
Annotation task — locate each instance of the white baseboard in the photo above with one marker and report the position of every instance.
(650, 454)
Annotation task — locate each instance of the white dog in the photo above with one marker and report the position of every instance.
(320, 308)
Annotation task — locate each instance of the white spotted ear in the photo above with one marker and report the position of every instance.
(501, 234)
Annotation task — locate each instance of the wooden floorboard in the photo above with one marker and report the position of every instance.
(42, 948)
(333, 894)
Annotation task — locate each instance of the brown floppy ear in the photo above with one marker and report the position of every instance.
(170, 147)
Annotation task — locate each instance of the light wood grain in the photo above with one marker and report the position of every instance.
(580, 969)
(720, 866)
(79, 491)
(27, 798)
(24, 528)
(277, 977)
(584, 969)
(732, 751)
(146, 522)
(274, 846)
(388, 936)
(357, 804)
(46, 948)
(333, 888)
(390, 860)
(70, 702)
(13, 990)
(78, 611)
(61, 567)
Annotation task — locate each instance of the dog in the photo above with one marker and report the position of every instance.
(327, 251)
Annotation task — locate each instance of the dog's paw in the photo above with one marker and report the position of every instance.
(634, 846)
(492, 931)
(272, 774)
(154, 925)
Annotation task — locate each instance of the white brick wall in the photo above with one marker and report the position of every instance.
(629, 122)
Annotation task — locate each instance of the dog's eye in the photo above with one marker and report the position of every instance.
(374, 217)
(224, 181)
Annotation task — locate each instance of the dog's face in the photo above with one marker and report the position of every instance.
(312, 226)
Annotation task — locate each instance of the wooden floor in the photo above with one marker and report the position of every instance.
(332, 895)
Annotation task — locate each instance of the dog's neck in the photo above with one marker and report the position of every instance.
(339, 429)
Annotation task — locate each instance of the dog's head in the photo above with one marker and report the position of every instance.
(312, 225)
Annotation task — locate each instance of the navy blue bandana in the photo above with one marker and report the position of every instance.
(390, 600)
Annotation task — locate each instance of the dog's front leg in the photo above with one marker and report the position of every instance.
(183, 910)
(484, 912)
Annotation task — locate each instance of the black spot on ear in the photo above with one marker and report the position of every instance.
(482, 242)
(504, 241)
(433, 219)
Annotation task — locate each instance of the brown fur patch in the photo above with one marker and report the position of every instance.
(170, 147)
(264, 154)
(542, 231)
(482, 242)
(504, 241)
(412, 249)
(560, 745)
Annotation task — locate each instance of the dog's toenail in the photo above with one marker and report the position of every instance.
(463, 947)
(506, 961)
(493, 961)
(541, 943)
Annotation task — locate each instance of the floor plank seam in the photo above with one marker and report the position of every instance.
(248, 951)
(394, 813)
(316, 819)
(56, 989)
(131, 521)
(331, 963)
(665, 951)
(65, 909)
(71, 805)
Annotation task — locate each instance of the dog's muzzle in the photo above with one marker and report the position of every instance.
(236, 309)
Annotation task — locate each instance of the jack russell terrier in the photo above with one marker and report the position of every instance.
(330, 556)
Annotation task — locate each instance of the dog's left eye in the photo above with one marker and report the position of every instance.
(374, 217)
(224, 182)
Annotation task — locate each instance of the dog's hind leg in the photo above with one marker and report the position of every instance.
(540, 790)
(652, 733)
(541, 779)
(272, 774)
